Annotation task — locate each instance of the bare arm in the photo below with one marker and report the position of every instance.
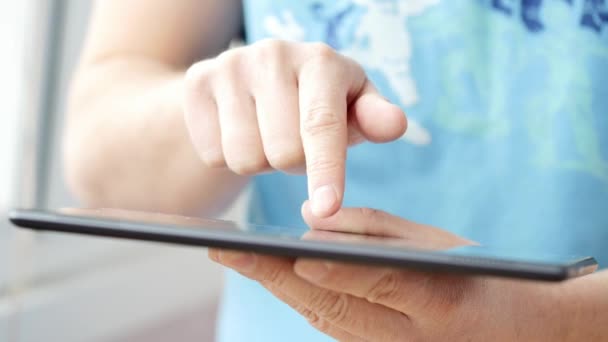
(126, 143)
(272, 105)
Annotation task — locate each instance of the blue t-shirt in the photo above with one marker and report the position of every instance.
(508, 138)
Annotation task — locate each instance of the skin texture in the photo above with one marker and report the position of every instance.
(152, 109)
(353, 302)
(193, 129)
(281, 105)
(125, 134)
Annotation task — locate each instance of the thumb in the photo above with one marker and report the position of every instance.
(379, 223)
(375, 118)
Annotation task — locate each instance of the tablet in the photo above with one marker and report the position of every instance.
(300, 242)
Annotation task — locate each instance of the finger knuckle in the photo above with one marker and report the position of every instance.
(322, 52)
(197, 75)
(276, 277)
(449, 293)
(386, 289)
(284, 156)
(331, 306)
(372, 218)
(246, 166)
(213, 157)
(320, 119)
(272, 62)
(243, 151)
(323, 60)
(312, 318)
(230, 59)
(323, 166)
(318, 323)
(369, 214)
(270, 48)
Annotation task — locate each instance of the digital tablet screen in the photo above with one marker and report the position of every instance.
(291, 241)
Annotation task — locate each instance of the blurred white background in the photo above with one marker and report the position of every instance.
(56, 287)
(11, 35)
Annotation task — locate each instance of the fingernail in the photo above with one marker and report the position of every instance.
(312, 270)
(239, 261)
(323, 200)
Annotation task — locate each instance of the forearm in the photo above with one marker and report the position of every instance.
(127, 145)
(587, 307)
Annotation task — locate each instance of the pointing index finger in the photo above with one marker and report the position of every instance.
(324, 85)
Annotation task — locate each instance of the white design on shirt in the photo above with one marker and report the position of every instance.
(388, 49)
(286, 27)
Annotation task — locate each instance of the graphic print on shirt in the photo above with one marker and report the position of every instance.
(594, 14)
(560, 99)
(371, 42)
(505, 70)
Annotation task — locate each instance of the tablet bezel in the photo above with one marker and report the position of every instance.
(434, 261)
